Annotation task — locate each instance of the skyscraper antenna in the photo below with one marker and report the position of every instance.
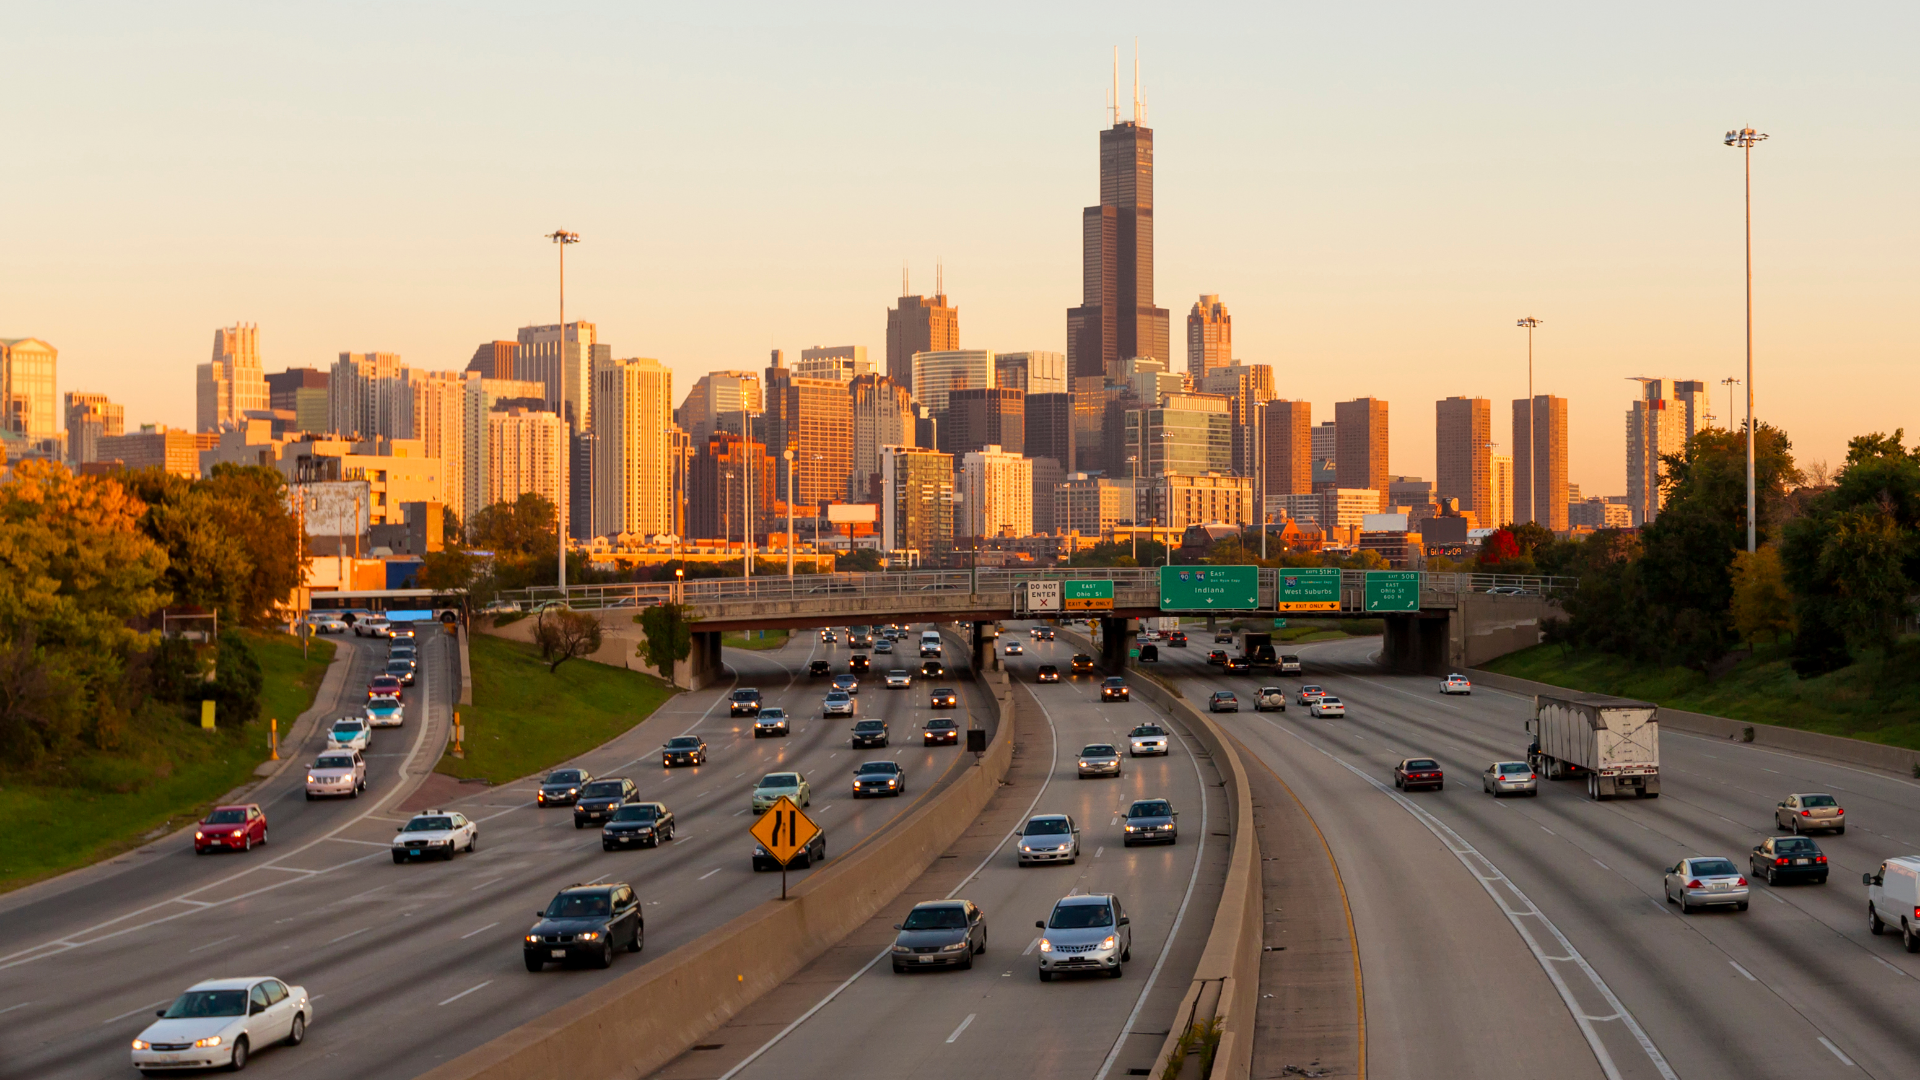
(1136, 81)
(1113, 97)
(903, 277)
(940, 277)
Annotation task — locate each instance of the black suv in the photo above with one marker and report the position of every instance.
(940, 729)
(744, 702)
(819, 668)
(599, 799)
(562, 786)
(870, 733)
(586, 922)
(859, 663)
(933, 669)
(683, 750)
(1082, 664)
(1115, 689)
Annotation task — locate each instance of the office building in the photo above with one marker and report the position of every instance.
(1499, 492)
(1091, 505)
(527, 451)
(395, 472)
(1177, 500)
(1540, 461)
(1116, 317)
(483, 397)
(1047, 475)
(840, 363)
(679, 475)
(1186, 433)
(812, 419)
(716, 402)
(437, 401)
(632, 464)
(303, 392)
(882, 416)
(157, 446)
(496, 360)
(1462, 446)
(1599, 513)
(1412, 492)
(1360, 455)
(233, 383)
(1209, 337)
(1050, 429)
(1091, 403)
(1326, 445)
(563, 363)
(996, 494)
(1031, 372)
(1247, 388)
(730, 488)
(987, 416)
(28, 406)
(1288, 432)
(916, 506)
(367, 397)
(937, 374)
(918, 324)
(89, 417)
(1667, 416)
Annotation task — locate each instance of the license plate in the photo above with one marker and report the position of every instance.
(928, 959)
(1719, 887)
(1800, 862)
(559, 954)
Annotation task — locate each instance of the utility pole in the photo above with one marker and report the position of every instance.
(746, 489)
(787, 456)
(563, 238)
(1729, 382)
(1166, 492)
(1133, 492)
(1533, 467)
(1746, 139)
(1260, 475)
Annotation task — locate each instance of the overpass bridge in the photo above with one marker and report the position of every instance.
(1461, 619)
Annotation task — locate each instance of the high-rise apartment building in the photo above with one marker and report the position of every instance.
(937, 374)
(157, 446)
(1031, 372)
(28, 405)
(919, 324)
(496, 360)
(527, 452)
(233, 383)
(1410, 491)
(1499, 492)
(89, 417)
(1247, 388)
(1091, 402)
(633, 461)
(730, 489)
(367, 397)
(1177, 500)
(1116, 317)
(996, 492)
(841, 363)
(1209, 337)
(1360, 457)
(1598, 513)
(916, 506)
(715, 403)
(563, 363)
(1462, 447)
(1289, 457)
(438, 401)
(1326, 443)
(986, 416)
(1667, 416)
(882, 416)
(303, 392)
(1540, 461)
(1091, 505)
(484, 397)
(1047, 475)
(1050, 429)
(1190, 434)
(812, 418)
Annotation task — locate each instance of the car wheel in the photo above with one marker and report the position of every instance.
(605, 957)
(639, 939)
(1685, 908)
(1743, 905)
(1115, 971)
(1045, 975)
(577, 824)
(473, 845)
(239, 1060)
(399, 857)
(898, 970)
(1769, 875)
(1821, 880)
(1841, 831)
(605, 846)
(534, 963)
(1874, 925)
(247, 844)
(298, 1033)
(309, 796)
(967, 964)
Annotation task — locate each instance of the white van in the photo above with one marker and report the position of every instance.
(930, 643)
(1893, 899)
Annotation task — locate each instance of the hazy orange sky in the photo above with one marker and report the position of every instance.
(1376, 191)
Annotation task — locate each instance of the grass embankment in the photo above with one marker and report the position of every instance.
(1876, 700)
(166, 774)
(525, 720)
(765, 639)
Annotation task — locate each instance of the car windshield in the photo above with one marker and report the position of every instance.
(1048, 667)
(944, 917)
(1098, 750)
(1223, 695)
(335, 762)
(346, 726)
(398, 665)
(1289, 658)
(773, 714)
(1794, 843)
(869, 725)
(684, 742)
(1151, 808)
(603, 788)
(746, 695)
(1713, 868)
(1048, 827)
(838, 695)
(1515, 767)
(197, 1003)
(636, 812)
(577, 906)
(878, 767)
(565, 776)
(1147, 729)
(1114, 680)
(941, 722)
(1421, 763)
(1325, 700)
(1818, 800)
(383, 702)
(429, 824)
(1080, 916)
(780, 780)
(226, 817)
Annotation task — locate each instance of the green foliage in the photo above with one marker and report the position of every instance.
(1853, 556)
(858, 561)
(1119, 553)
(233, 544)
(237, 681)
(669, 637)
(1761, 602)
(564, 634)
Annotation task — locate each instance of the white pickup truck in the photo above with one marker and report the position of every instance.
(1270, 698)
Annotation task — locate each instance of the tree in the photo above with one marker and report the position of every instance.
(233, 543)
(669, 637)
(563, 634)
(859, 560)
(1761, 602)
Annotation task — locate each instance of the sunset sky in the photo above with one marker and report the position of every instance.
(1376, 191)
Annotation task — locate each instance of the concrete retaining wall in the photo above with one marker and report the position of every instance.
(648, 1017)
(1872, 755)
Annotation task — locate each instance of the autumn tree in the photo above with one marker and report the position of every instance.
(1762, 603)
(233, 543)
(563, 634)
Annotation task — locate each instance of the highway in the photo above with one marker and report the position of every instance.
(410, 965)
(998, 1019)
(1793, 987)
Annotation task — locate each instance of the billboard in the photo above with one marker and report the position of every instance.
(852, 513)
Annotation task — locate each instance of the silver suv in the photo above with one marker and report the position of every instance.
(1086, 933)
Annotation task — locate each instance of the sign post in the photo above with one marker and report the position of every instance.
(1393, 590)
(1209, 588)
(1309, 588)
(784, 832)
(1087, 595)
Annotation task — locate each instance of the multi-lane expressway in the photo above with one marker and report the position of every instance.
(410, 965)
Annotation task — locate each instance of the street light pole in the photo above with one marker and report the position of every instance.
(1166, 491)
(1729, 382)
(1133, 493)
(787, 456)
(1260, 475)
(562, 237)
(746, 490)
(1746, 138)
(1533, 467)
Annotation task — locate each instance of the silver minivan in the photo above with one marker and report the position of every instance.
(1090, 932)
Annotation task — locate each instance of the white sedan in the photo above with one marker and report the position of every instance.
(327, 624)
(435, 832)
(899, 679)
(350, 733)
(221, 1022)
(1326, 706)
(1014, 648)
(1456, 684)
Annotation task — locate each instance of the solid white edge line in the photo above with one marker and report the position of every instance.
(1053, 763)
(1743, 971)
(1836, 1052)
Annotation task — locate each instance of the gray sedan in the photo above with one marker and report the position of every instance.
(940, 933)
(1504, 777)
(1151, 821)
(1705, 882)
(1049, 838)
(1099, 759)
(1085, 933)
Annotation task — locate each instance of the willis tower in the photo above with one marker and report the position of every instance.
(1116, 318)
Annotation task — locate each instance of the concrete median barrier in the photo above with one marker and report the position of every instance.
(645, 1019)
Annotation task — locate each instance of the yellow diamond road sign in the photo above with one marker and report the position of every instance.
(784, 831)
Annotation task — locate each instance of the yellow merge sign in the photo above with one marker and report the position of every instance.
(784, 831)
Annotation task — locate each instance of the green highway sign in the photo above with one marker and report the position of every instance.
(1311, 588)
(1393, 590)
(1279, 624)
(1133, 654)
(1209, 588)
(1087, 595)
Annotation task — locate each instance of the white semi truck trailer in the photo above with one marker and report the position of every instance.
(1613, 742)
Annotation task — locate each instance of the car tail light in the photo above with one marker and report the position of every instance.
(1694, 885)
(1806, 813)
(1837, 811)
(1779, 862)
(1742, 883)
(1819, 858)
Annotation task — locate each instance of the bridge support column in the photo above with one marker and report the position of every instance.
(980, 652)
(1114, 643)
(1415, 644)
(703, 666)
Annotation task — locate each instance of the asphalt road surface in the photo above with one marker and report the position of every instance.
(1524, 937)
(410, 965)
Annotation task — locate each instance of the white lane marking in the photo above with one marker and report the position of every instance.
(1890, 967)
(1031, 945)
(288, 869)
(1836, 1052)
(351, 933)
(1543, 828)
(1468, 854)
(212, 943)
(969, 1020)
(202, 903)
(344, 840)
(737, 813)
(470, 933)
(1099, 851)
(141, 1009)
(1743, 971)
(467, 991)
(1600, 864)
(708, 874)
(24, 1004)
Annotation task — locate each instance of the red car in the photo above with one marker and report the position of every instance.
(1418, 772)
(384, 684)
(231, 828)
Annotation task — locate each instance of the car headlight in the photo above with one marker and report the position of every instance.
(533, 939)
(140, 1045)
(957, 946)
(1026, 848)
(1110, 942)
(893, 783)
(199, 836)
(1132, 828)
(211, 1040)
(590, 935)
(1045, 945)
